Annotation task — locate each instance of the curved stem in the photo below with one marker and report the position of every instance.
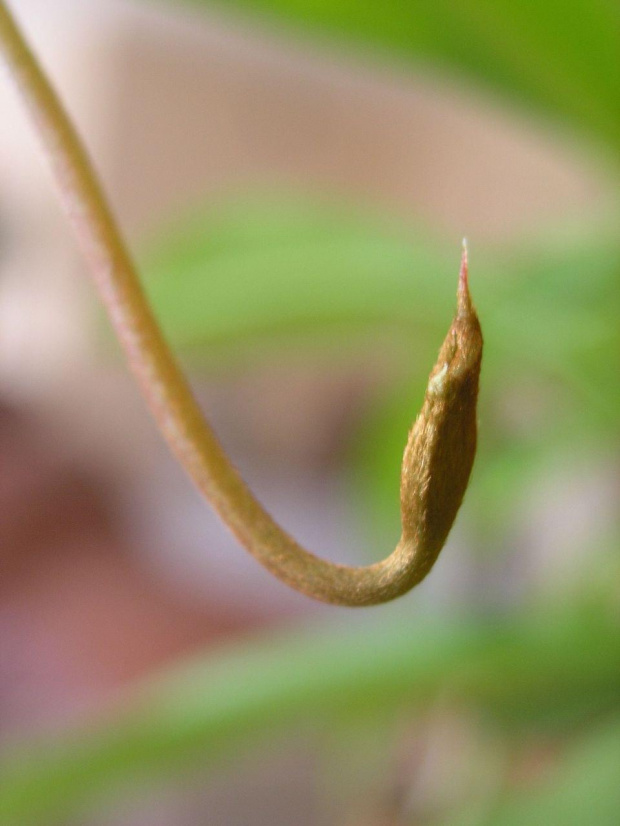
(441, 446)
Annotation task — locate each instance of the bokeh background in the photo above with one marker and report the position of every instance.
(294, 178)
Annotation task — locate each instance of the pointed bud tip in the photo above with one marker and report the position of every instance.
(463, 297)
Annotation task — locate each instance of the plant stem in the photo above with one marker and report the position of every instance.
(427, 518)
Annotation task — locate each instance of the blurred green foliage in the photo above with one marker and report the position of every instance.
(330, 279)
(252, 276)
(540, 668)
(559, 57)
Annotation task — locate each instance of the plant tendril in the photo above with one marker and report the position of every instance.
(440, 450)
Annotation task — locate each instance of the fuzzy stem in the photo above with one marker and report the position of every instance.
(170, 398)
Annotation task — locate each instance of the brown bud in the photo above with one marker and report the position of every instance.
(442, 443)
(436, 466)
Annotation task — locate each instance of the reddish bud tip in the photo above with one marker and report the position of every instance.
(463, 297)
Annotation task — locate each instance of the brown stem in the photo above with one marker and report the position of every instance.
(440, 451)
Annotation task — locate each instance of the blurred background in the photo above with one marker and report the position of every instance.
(294, 178)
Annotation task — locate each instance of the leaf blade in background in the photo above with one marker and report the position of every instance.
(200, 711)
(557, 59)
(584, 788)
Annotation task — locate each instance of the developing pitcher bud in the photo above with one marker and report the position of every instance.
(442, 443)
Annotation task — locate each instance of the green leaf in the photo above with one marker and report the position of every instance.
(209, 708)
(286, 269)
(280, 271)
(559, 58)
(584, 787)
